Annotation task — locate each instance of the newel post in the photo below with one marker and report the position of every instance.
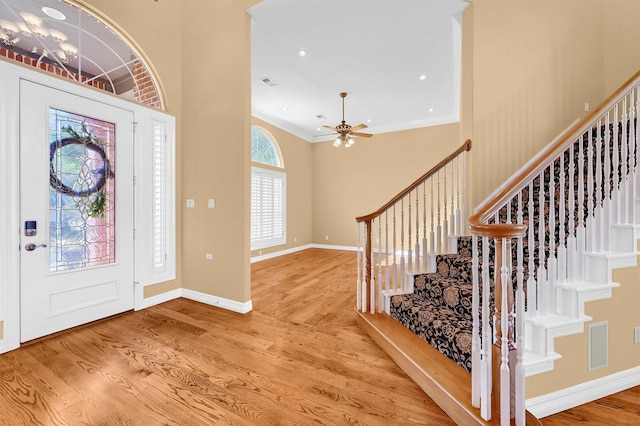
(369, 305)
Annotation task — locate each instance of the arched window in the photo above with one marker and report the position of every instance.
(71, 40)
(263, 149)
(268, 192)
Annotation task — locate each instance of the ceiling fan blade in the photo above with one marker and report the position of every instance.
(358, 127)
(361, 135)
(330, 128)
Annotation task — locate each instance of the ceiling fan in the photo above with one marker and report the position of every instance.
(345, 132)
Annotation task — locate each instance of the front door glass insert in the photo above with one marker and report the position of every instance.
(81, 191)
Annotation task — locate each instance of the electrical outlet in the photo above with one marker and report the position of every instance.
(636, 335)
(326, 237)
(208, 256)
(191, 203)
(211, 203)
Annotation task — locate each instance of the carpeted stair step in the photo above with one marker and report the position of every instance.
(446, 292)
(441, 327)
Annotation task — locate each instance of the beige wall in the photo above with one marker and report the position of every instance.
(621, 37)
(296, 154)
(535, 64)
(353, 182)
(621, 311)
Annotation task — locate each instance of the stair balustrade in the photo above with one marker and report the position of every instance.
(535, 232)
(402, 236)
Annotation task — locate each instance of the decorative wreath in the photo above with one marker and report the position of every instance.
(94, 198)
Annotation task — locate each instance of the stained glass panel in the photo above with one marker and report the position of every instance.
(82, 191)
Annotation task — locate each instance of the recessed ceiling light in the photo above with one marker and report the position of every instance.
(368, 120)
(302, 53)
(54, 13)
(423, 77)
(431, 110)
(285, 109)
(319, 129)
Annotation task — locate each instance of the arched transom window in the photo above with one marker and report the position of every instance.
(68, 39)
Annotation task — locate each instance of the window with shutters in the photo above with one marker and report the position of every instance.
(268, 193)
(159, 207)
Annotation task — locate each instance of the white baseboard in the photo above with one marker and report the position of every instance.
(280, 253)
(219, 302)
(300, 248)
(564, 399)
(330, 247)
(160, 298)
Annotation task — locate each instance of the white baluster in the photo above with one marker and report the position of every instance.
(612, 160)
(359, 254)
(387, 268)
(445, 222)
(439, 241)
(633, 158)
(607, 203)
(373, 295)
(395, 253)
(487, 338)
(459, 231)
(571, 238)
(532, 290)
(580, 231)
(475, 330)
(590, 224)
(452, 217)
(505, 374)
(562, 208)
(425, 247)
(409, 245)
(402, 261)
(381, 261)
(417, 249)
(552, 262)
(520, 415)
(599, 228)
(463, 222)
(432, 237)
(542, 270)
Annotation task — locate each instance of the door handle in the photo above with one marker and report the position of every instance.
(32, 247)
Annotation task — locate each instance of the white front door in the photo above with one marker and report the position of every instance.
(76, 208)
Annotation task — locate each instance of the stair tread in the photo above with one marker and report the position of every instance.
(555, 320)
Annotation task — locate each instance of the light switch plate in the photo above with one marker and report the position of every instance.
(191, 203)
(211, 203)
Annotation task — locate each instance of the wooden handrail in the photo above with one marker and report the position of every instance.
(464, 147)
(522, 178)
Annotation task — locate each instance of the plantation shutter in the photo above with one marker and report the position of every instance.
(159, 207)
(267, 208)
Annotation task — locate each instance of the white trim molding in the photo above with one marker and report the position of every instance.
(220, 302)
(564, 399)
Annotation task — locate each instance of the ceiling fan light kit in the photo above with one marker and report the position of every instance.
(345, 132)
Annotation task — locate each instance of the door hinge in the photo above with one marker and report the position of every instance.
(134, 233)
(134, 181)
(135, 124)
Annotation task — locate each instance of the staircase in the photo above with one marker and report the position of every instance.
(551, 235)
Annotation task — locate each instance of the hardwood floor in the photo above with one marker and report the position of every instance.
(622, 408)
(297, 359)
